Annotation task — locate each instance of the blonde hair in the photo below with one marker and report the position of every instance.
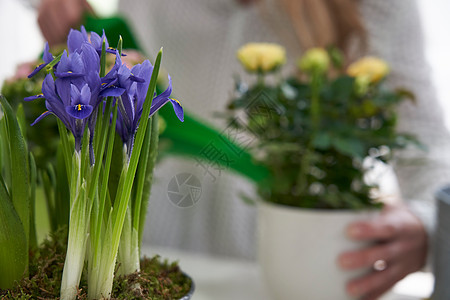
(322, 23)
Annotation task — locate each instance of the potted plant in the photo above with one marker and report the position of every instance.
(108, 179)
(317, 133)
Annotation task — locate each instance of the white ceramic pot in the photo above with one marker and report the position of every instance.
(298, 251)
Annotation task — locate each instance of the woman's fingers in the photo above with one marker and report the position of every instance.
(387, 251)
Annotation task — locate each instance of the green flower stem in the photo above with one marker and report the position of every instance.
(98, 229)
(128, 255)
(76, 246)
(302, 179)
(79, 219)
(101, 270)
(65, 146)
(260, 78)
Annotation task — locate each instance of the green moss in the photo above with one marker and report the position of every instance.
(157, 280)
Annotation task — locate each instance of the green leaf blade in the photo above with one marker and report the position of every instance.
(20, 177)
(14, 248)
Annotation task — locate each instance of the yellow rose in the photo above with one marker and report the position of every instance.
(370, 68)
(261, 57)
(314, 60)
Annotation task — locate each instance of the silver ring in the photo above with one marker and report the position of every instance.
(380, 265)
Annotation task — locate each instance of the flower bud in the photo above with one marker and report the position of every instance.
(261, 57)
(314, 60)
(371, 68)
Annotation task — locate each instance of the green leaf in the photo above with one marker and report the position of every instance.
(67, 147)
(116, 167)
(404, 93)
(20, 115)
(20, 178)
(14, 249)
(61, 193)
(348, 146)
(153, 136)
(322, 141)
(48, 178)
(33, 177)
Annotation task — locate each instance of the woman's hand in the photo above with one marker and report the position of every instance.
(400, 248)
(56, 17)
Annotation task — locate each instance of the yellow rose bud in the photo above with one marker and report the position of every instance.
(261, 57)
(371, 68)
(314, 60)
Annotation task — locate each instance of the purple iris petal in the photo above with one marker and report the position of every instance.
(128, 110)
(90, 58)
(47, 57)
(113, 91)
(158, 103)
(94, 82)
(137, 79)
(144, 71)
(63, 86)
(135, 82)
(69, 74)
(80, 97)
(97, 41)
(161, 100)
(123, 74)
(79, 108)
(37, 69)
(79, 111)
(31, 98)
(178, 109)
(75, 39)
(70, 64)
(43, 115)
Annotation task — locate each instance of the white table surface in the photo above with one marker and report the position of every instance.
(222, 278)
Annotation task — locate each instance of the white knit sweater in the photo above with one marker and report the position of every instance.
(200, 38)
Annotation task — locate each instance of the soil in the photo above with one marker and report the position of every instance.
(158, 279)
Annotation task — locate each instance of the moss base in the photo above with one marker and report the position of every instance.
(157, 280)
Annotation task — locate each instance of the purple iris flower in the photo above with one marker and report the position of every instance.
(130, 88)
(47, 57)
(75, 92)
(76, 38)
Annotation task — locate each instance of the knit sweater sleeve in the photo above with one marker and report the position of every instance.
(395, 34)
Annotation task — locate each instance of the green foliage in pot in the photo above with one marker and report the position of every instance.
(315, 131)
